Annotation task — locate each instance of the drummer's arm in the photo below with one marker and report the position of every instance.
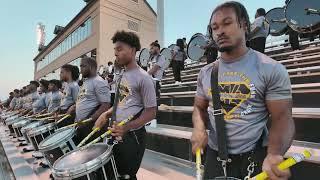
(147, 115)
(154, 69)
(103, 108)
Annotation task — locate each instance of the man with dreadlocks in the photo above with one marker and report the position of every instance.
(251, 87)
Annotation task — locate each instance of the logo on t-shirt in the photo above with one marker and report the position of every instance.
(124, 92)
(235, 93)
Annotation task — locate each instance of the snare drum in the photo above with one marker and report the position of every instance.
(10, 122)
(26, 128)
(58, 144)
(38, 134)
(18, 125)
(93, 162)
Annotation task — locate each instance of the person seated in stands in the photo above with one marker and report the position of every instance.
(158, 63)
(259, 31)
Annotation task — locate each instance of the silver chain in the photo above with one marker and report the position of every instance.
(250, 169)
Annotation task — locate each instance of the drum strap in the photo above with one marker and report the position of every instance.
(219, 119)
(116, 100)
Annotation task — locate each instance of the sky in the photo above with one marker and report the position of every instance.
(19, 18)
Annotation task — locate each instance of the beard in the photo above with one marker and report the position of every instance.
(226, 49)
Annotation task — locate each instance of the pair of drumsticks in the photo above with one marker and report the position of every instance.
(294, 159)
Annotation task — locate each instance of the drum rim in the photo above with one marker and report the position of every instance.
(193, 37)
(167, 65)
(20, 123)
(85, 168)
(284, 30)
(298, 28)
(11, 122)
(45, 128)
(60, 141)
(140, 56)
(26, 128)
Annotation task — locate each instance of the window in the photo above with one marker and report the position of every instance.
(133, 25)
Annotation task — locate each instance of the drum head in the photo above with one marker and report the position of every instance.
(32, 125)
(167, 54)
(194, 50)
(59, 136)
(81, 160)
(300, 17)
(144, 56)
(276, 28)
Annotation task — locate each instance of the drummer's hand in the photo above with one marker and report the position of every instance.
(118, 131)
(199, 139)
(270, 164)
(101, 121)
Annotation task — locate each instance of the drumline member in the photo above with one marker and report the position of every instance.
(42, 103)
(211, 50)
(13, 102)
(55, 95)
(259, 31)
(252, 86)
(158, 63)
(93, 98)
(31, 97)
(136, 98)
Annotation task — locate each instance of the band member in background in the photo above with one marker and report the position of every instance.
(259, 31)
(93, 98)
(32, 97)
(178, 57)
(136, 98)
(13, 102)
(42, 103)
(55, 95)
(211, 50)
(69, 74)
(264, 90)
(158, 63)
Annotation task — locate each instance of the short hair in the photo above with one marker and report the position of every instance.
(36, 83)
(91, 61)
(240, 11)
(129, 38)
(261, 12)
(44, 83)
(16, 91)
(110, 63)
(56, 82)
(11, 93)
(156, 44)
(73, 69)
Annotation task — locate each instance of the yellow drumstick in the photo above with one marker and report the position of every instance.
(42, 115)
(294, 159)
(80, 122)
(89, 136)
(65, 117)
(109, 131)
(198, 164)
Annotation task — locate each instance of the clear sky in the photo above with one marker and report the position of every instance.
(19, 18)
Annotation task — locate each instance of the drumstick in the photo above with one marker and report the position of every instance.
(109, 131)
(89, 136)
(65, 117)
(42, 115)
(294, 159)
(198, 164)
(80, 122)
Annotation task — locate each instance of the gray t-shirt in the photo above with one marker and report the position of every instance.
(40, 105)
(136, 92)
(19, 103)
(54, 101)
(30, 99)
(264, 27)
(93, 92)
(161, 62)
(13, 102)
(179, 54)
(244, 85)
(70, 94)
